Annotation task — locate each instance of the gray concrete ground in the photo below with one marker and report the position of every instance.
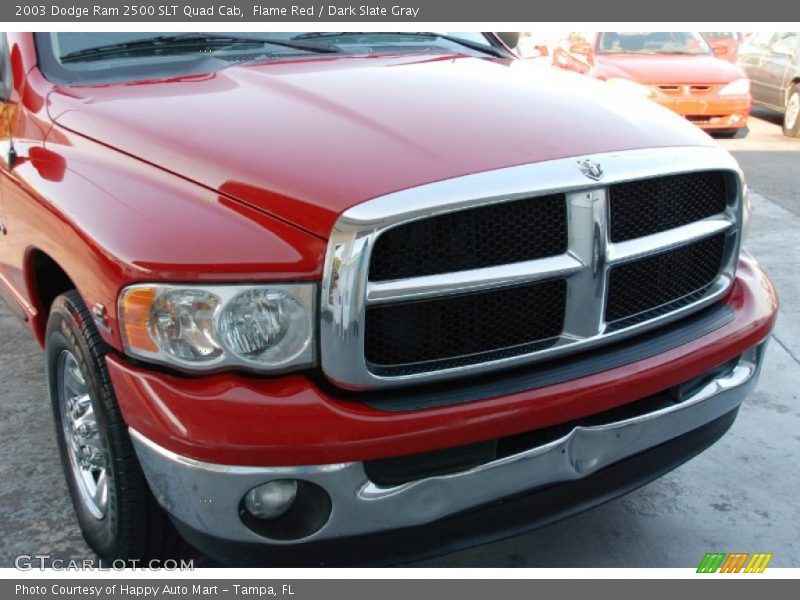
(741, 495)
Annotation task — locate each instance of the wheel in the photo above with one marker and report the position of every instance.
(118, 515)
(791, 118)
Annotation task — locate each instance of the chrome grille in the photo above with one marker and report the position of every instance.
(369, 324)
(464, 329)
(644, 288)
(486, 236)
(640, 208)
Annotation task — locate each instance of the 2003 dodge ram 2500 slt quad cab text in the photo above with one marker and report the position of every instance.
(332, 298)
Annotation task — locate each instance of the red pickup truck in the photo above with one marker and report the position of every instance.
(325, 298)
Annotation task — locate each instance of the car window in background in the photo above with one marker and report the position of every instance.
(760, 39)
(784, 43)
(579, 36)
(658, 42)
(721, 35)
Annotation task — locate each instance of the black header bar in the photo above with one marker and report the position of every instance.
(376, 11)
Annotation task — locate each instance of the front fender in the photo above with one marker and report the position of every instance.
(109, 220)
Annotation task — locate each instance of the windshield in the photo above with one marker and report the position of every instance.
(673, 42)
(97, 57)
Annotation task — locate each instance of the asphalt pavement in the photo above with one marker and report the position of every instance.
(739, 496)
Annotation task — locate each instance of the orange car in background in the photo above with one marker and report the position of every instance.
(724, 43)
(676, 69)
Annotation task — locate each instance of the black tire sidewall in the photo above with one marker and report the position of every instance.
(728, 133)
(65, 332)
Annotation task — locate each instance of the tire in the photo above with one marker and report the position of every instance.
(126, 523)
(791, 117)
(727, 133)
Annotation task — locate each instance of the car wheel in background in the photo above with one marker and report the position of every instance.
(791, 118)
(730, 133)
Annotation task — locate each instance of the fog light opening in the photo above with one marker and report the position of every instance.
(285, 509)
(271, 500)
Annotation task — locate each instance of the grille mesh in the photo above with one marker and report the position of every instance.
(491, 235)
(420, 336)
(640, 208)
(469, 324)
(638, 289)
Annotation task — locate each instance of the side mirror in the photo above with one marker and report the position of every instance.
(719, 49)
(509, 38)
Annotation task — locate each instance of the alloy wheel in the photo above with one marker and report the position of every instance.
(792, 111)
(84, 445)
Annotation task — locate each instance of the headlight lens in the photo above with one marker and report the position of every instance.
(264, 325)
(267, 328)
(181, 322)
(631, 87)
(740, 87)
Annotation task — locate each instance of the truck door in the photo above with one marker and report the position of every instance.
(7, 118)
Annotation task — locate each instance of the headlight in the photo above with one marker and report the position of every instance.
(740, 87)
(268, 328)
(631, 87)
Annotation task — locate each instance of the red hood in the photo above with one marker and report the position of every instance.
(666, 68)
(304, 140)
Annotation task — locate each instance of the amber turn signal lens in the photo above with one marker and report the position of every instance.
(135, 313)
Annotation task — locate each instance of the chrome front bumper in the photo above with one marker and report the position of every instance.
(207, 496)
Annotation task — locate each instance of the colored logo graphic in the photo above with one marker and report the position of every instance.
(738, 562)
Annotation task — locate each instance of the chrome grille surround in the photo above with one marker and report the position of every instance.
(346, 290)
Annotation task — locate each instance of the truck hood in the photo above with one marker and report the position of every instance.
(306, 139)
(667, 68)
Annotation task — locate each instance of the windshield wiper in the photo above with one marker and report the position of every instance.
(201, 39)
(426, 34)
(688, 52)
